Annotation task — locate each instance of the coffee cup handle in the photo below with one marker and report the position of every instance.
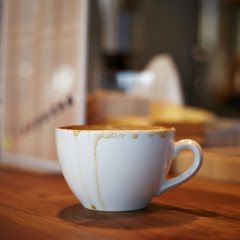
(191, 171)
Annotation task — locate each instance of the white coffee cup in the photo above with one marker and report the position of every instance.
(116, 168)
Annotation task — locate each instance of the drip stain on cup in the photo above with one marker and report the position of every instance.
(135, 135)
(76, 132)
(93, 207)
(81, 176)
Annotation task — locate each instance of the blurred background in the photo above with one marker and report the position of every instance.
(174, 63)
(201, 36)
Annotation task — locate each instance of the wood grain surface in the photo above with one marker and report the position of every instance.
(35, 206)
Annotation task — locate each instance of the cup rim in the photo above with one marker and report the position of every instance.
(115, 128)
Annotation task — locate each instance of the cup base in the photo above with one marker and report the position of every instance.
(111, 209)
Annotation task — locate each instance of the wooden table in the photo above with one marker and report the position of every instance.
(35, 206)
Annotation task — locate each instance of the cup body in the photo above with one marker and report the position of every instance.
(115, 168)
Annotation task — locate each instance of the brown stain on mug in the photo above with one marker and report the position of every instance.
(96, 141)
(76, 133)
(162, 134)
(93, 207)
(152, 134)
(135, 135)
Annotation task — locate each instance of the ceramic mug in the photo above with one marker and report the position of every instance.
(116, 168)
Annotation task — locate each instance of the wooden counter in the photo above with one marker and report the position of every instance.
(34, 206)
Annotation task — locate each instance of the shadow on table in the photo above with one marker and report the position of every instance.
(155, 215)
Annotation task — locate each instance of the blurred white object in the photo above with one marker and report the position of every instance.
(160, 81)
